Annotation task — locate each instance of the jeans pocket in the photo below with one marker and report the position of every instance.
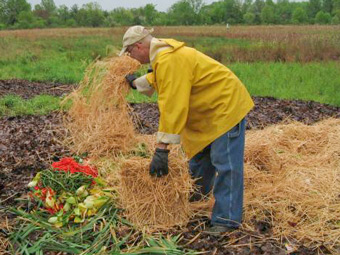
(235, 131)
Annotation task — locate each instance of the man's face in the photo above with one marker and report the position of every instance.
(139, 52)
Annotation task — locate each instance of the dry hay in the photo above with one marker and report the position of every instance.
(98, 121)
(292, 181)
(152, 203)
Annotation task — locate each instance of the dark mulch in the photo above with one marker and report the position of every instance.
(267, 111)
(27, 144)
(31, 143)
(27, 89)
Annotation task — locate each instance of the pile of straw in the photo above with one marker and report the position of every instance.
(151, 202)
(293, 181)
(98, 121)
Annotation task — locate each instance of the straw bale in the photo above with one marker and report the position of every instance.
(152, 203)
(98, 121)
(298, 190)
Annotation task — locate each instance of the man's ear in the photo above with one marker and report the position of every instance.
(139, 45)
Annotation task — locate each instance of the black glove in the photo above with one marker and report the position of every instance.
(130, 78)
(159, 163)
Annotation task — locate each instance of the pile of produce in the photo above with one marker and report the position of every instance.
(69, 191)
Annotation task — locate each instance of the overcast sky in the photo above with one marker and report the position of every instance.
(161, 5)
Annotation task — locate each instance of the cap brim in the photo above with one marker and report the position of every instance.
(122, 51)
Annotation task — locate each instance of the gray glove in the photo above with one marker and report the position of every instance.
(159, 163)
(130, 78)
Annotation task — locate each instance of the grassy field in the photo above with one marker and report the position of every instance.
(291, 62)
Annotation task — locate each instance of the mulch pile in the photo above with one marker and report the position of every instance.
(30, 143)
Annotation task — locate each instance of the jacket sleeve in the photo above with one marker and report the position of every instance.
(144, 86)
(173, 80)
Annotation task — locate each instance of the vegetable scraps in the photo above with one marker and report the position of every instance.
(69, 192)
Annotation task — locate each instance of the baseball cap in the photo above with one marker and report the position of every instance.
(133, 35)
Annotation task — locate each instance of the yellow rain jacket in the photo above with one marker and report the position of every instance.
(199, 99)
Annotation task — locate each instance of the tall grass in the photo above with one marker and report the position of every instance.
(312, 81)
(315, 81)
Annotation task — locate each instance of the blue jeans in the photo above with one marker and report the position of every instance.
(219, 166)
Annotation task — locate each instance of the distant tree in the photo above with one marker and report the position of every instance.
(299, 16)
(71, 22)
(40, 12)
(120, 17)
(150, 14)
(246, 6)
(25, 19)
(206, 15)
(257, 9)
(2, 9)
(45, 9)
(327, 6)
(335, 20)
(90, 14)
(63, 14)
(323, 18)
(49, 6)
(11, 10)
(268, 15)
(217, 12)
(233, 12)
(182, 13)
(249, 18)
(74, 10)
(161, 19)
(283, 11)
(336, 8)
(314, 6)
(138, 16)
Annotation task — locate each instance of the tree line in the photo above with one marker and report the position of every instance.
(19, 14)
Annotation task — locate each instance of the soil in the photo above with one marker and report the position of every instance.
(30, 143)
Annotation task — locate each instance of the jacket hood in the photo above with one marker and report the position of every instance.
(174, 43)
(158, 45)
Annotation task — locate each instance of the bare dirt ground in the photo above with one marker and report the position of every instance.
(30, 143)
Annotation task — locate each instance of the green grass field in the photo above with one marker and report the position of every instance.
(62, 56)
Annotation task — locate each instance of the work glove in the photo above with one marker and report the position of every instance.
(130, 78)
(159, 163)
